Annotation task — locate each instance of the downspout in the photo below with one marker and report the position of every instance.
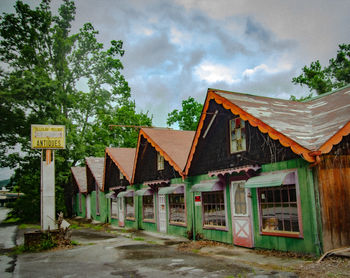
(316, 203)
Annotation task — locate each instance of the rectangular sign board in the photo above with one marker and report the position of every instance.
(48, 136)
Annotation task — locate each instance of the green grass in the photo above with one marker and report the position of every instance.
(196, 251)
(74, 242)
(29, 226)
(139, 238)
(11, 220)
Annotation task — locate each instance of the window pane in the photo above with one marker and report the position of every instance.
(237, 135)
(176, 208)
(130, 211)
(278, 209)
(214, 209)
(240, 201)
(148, 207)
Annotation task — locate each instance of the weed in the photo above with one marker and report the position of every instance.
(139, 238)
(11, 220)
(29, 226)
(196, 251)
(73, 242)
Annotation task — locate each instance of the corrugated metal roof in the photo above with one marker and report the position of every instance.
(124, 159)
(309, 124)
(96, 165)
(79, 174)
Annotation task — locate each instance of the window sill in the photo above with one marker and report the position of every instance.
(218, 228)
(130, 218)
(149, 220)
(115, 218)
(282, 234)
(180, 224)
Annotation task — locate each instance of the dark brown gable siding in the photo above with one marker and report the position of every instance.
(146, 166)
(213, 152)
(112, 175)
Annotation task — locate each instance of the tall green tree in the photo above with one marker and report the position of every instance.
(50, 75)
(325, 79)
(188, 117)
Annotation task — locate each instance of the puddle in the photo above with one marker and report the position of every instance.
(143, 252)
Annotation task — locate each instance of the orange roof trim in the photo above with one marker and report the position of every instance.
(335, 139)
(158, 149)
(264, 128)
(116, 163)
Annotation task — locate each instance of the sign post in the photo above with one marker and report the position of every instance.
(48, 138)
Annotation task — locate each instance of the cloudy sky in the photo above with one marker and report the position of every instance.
(180, 48)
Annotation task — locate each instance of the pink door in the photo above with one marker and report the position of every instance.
(241, 215)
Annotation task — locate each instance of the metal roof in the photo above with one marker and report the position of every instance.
(310, 124)
(96, 165)
(124, 160)
(79, 174)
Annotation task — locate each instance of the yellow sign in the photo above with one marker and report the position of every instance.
(48, 136)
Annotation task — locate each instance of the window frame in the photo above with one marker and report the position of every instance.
(280, 233)
(126, 208)
(152, 220)
(97, 190)
(230, 134)
(116, 216)
(184, 208)
(160, 162)
(214, 227)
(233, 201)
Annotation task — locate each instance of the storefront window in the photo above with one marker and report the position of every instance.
(130, 210)
(214, 210)
(148, 207)
(114, 208)
(177, 208)
(279, 209)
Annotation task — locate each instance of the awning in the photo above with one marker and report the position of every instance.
(129, 193)
(174, 189)
(111, 195)
(269, 180)
(207, 186)
(144, 192)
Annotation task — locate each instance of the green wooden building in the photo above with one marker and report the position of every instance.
(161, 191)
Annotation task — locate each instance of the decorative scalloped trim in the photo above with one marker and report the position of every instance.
(335, 139)
(264, 128)
(163, 153)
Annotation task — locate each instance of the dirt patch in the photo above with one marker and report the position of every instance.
(329, 267)
(197, 245)
(143, 252)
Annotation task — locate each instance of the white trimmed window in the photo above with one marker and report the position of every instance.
(214, 209)
(177, 209)
(237, 135)
(114, 208)
(130, 208)
(148, 207)
(160, 162)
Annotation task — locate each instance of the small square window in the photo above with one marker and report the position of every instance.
(121, 176)
(160, 162)
(237, 135)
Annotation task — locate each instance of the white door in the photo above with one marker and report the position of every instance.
(241, 215)
(162, 213)
(121, 212)
(88, 207)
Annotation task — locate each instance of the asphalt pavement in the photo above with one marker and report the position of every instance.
(122, 254)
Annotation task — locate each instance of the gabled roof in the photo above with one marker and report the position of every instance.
(173, 145)
(305, 127)
(123, 159)
(96, 164)
(79, 174)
